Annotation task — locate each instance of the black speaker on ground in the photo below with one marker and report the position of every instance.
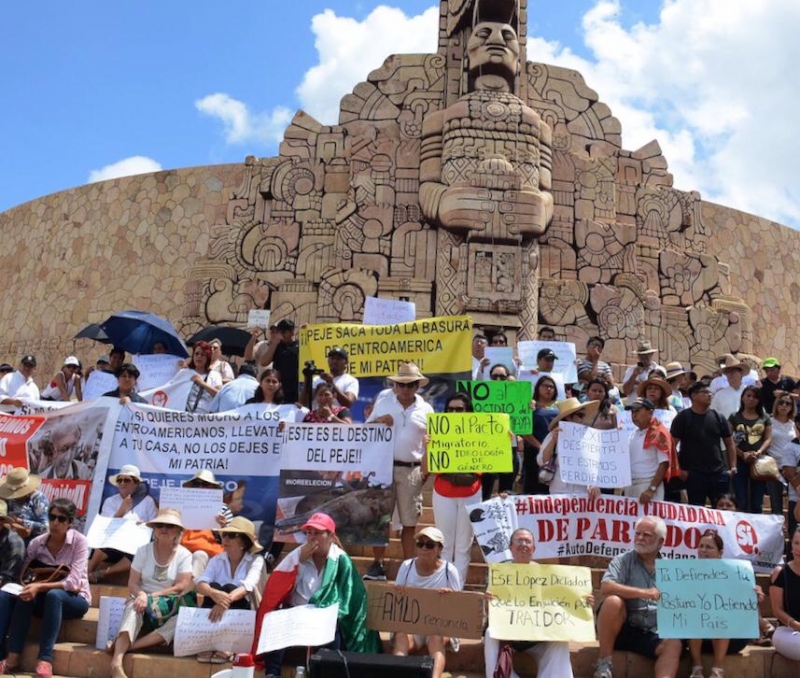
(333, 664)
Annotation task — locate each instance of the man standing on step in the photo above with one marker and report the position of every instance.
(407, 413)
(626, 619)
(552, 658)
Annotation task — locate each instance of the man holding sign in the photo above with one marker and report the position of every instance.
(552, 658)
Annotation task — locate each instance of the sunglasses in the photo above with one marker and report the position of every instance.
(163, 526)
(53, 517)
(426, 545)
(412, 384)
(455, 409)
(200, 483)
(124, 481)
(785, 402)
(499, 377)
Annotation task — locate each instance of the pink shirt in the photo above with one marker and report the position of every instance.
(74, 553)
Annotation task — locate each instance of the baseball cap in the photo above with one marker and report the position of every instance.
(770, 362)
(338, 350)
(320, 521)
(103, 359)
(5, 367)
(285, 325)
(72, 361)
(29, 360)
(546, 353)
(641, 403)
(432, 533)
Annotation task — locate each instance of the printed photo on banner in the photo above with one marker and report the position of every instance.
(508, 397)
(565, 357)
(540, 602)
(344, 471)
(570, 525)
(469, 443)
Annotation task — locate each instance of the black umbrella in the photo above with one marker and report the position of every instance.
(95, 332)
(234, 340)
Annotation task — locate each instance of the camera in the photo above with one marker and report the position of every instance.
(311, 370)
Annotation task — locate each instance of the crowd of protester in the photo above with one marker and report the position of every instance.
(728, 439)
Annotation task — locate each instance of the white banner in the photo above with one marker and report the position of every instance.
(97, 384)
(379, 311)
(121, 534)
(199, 507)
(566, 525)
(304, 626)
(155, 369)
(196, 633)
(565, 357)
(588, 456)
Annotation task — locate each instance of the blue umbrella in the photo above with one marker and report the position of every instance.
(93, 331)
(137, 331)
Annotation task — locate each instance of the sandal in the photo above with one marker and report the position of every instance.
(205, 657)
(220, 657)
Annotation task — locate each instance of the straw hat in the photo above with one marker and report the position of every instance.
(654, 381)
(408, 373)
(241, 525)
(572, 405)
(18, 483)
(127, 470)
(674, 370)
(644, 346)
(206, 476)
(732, 363)
(3, 509)
(167, 516)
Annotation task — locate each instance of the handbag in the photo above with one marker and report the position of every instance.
(160, 609)
(764, 469)
(41, 573)
(548, 471)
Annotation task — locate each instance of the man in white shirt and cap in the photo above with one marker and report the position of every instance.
(19, 386)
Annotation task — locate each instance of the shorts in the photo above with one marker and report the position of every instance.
(638, 640)
(408, 494)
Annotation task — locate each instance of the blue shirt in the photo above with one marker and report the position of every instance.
(234, 394)
(31, 512)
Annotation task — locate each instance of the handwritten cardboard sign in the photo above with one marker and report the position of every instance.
(122, 534)
(706, 598)
(97, 384)
(409, 609)
(540, 602)
(155, 369)
(508, 397)
(258, 317)
(304, 626)
(565, 356)
(499, 355)
(588, 456)
(109, 620)
(198, 506)
(196, 633)
(469, 443)
(379, 311)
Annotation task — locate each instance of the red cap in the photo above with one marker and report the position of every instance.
(244, 660)
(320, 521)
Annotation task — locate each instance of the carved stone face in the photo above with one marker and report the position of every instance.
(494, 49)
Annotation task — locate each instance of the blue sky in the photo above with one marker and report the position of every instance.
(88, 85)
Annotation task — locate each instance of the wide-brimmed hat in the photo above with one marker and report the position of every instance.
(674, 370)
(167, 516)
(432, 533)
(732, 363)
(644, 346)
(408, 373)
(320, 521)
(206, 476)
(127, 470)
(241, 525)
(3, 508)
(18, 483)
(572, 405)
(654, 381)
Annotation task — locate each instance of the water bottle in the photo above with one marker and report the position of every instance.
(243, 666)
(300, 672)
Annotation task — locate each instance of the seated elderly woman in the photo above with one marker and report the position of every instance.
(319, 573)
(160, 579)
(27, 504)
(428, 570)
(61, 598)
(132, 502)
(233, 579)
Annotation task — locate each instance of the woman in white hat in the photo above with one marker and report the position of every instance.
(573, 411)
(27, 504)
(65, 382)
(427, 570)
(161, 573)
(233, 580)
(132, 502)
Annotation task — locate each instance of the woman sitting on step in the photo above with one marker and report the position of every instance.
(52, 598)
(784, 594)
(160, 582)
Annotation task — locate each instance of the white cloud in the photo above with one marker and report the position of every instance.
(242, 125)
(136, 164)
(349, 49)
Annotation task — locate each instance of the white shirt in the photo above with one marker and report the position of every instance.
(308, 580)
(408, 426)
(345, 383)
(726, 401)
(644, 460)
(790, 457)
(718, 383)
(248, 573)
(446, 577)
(144, 511)
(156, 577)
(15, 385)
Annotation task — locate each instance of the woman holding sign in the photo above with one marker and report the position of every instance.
(206, 383)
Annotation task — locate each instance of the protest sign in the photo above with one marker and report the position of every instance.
(666, 417)
(258, 317)
(199, 507)
(588, 456)
(706, 598)
(196, 633)
(379, 311)
(540, 602)
(97, 384)
(526, 374)
(436, 345)
(155, 369)
(344, 471)
(15, 432)
(409, 609)
(565, 356)
(469, 443)
(499, 355)
(304, 625)
(172, 394)
(510, 397)
(121, 534)
(109, 620)
(570, 525)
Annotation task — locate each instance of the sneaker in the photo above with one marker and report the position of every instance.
(603, 668)
(697, 672)
(717, 672)
(44, 669)
(375, 572)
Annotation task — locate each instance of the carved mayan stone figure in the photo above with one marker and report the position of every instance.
(474, 181)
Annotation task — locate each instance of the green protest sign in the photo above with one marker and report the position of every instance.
(507, 397)
(469, 443)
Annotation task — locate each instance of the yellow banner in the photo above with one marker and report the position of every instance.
(540, 602)
(436, 345)
(469, 443)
